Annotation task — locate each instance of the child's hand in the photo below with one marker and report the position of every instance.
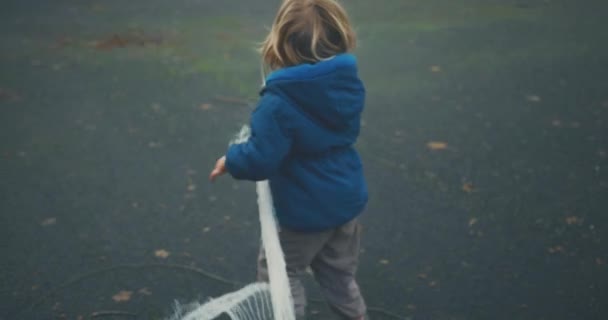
(220, 169)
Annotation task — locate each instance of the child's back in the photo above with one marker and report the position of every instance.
(303, 134)
(302, 137)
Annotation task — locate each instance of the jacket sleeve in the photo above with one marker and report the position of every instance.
(261, 155)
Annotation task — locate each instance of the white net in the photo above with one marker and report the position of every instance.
(252, 302)
(257, 301)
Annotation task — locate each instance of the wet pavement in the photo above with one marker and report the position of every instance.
(485, 143)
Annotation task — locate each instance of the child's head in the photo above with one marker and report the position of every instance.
(307, 31)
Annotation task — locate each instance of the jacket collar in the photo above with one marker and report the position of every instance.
(308, 71)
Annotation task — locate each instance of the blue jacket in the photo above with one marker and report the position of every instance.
(302, 136)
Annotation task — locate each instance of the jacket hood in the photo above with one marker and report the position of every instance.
(330, 92)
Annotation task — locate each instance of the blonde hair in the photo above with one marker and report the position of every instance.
(307, 31)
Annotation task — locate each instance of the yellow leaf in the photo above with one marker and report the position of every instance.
(467, 187)
(205, 106)
(435, 68)
(384, 262)
(161, 253)
(122, 296)
(437, 145)
(556, 249)
(472, 222)
(574, 220)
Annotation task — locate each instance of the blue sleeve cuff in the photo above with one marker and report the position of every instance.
(232, 166)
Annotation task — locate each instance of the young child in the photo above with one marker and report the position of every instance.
(302, 136)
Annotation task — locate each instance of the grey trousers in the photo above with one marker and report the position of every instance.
(333, 256)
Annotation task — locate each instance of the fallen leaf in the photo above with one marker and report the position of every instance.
(600, 261)
(422, 276)
(472, 222)
(437, 145)
(556, 123)
(533, 98)
(384, 262)
(144, 291)
(411, 307)
(555, 249)
(156, 107)
(110, 43)
(6, 94)
(191, 187)
(161, 253)
(467, 187)
(574, 220)
(125, 40)
(48, 222)
(205, 106)
(154, 144)
(435, 68)
(433, 284)
(122, 296)
(206, 229)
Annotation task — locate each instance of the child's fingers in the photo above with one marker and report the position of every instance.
(218, 170)
(214, 175)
